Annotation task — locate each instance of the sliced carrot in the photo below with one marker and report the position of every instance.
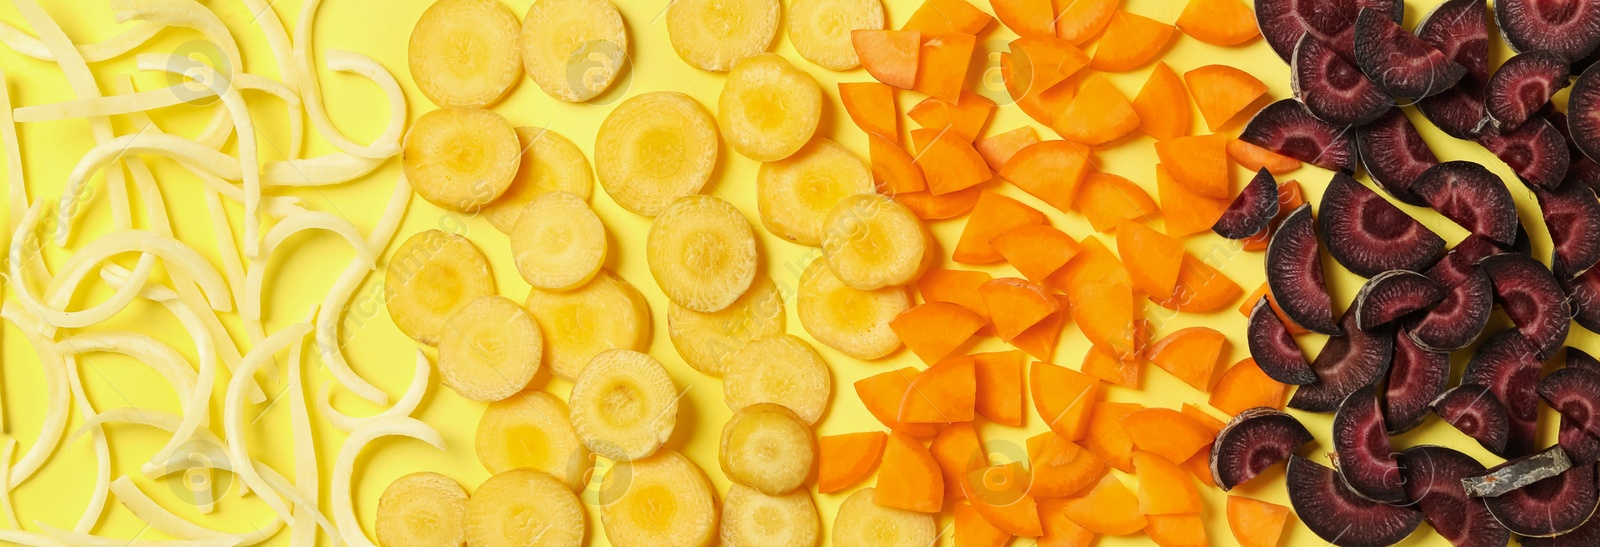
(1000, 390)
(1098, 114)
(965, 118)
(1049, 170)
(871, 106)
(1130, 41)
(1164, 488)
(909, 478)
(1064, 398)
(1106, 312)
(1107, 439)
(1264, 291)
(1026, 17)
(890, 56)
(1124, 372)
(1201, 288)
(954, 286)
(1186, 212)
(1036, 251)
(1047, 61)
(1107, 199)
(1151, 258)
(1185, 530)
(1219, 22)
(1040, 340)
(932, 330)
(1043, 105)
(1060, 467)
(1199, 163)
(1167, 433)
(942, 393)
(1016, 304)
(1199, 465)
(892, 168)
(1110, 508)
(998, 149)
(994, 214)
(947, 16)
(1094, 263)
(1201, 417)
(930, 207)
(882, 393)
(1060, 531)
(1256, 158)
(1222, 92)
(1000, 494)
(1245, 386)
(942, 67)
(843, 460)
(972, 530)
(1190, 354)
(958, 450)
(1163, 105)
(948, 161)
(1077, 21)
(1290, 197)
(1256, 523)
(1257, 242)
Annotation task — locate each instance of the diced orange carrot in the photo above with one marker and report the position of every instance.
(994, 214)
(1044, 62)
(1130, 41)
(1094, 263)
(932, 330)
(1077, 21)
(1264, 291)
(1016, 304)
(1201, 288)
(956, 287)
(1256, 523)
(1151, 258)
(1000, 494)
(1098, 114)
(1060, 531)
(882, 393)
(1049, 170)
(1106, 312)
(998, 149)
(1167, 433)
(930, 207)
(1201, 417)
(1026, 17)
(948, 16)
(1185, 530)
(972, 530)
(1222, 92)
(1107, 439)
(1164, 488)
(942, 393)
(1036, 251)
(1199, 465)
(909, 478)
(1040, 340)
(1060, 467)
(890, 56)
(1124, 372)
(1218, 22)
(965, 118)
(1245, 386)
(1257, 242)
(942, 68)
(1186, 212)
(949, 162)
(1163, 105)
(1107, 199)
(1290, 197)
(893, 168)
(1064, 398)
(958, 450)
(842, 460)
(1199, 163)
(1256, 158)
(1037, 100)
(1000, 390)
(1190, 354)
(1110, 508)
(871, 106)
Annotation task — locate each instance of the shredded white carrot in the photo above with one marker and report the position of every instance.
(67, 537)
(344, 513)
(102, 453)
(17, 188)
(233, 411)
(116, 46)
(403, 407)
(193, 16)
(303, 530)
(255, 275)
(323, 170)
(159, 356)
(32, 539)
(5, 481)
(169, 422)
(159, 518)
(329, 344)
(282, 53)
(387, 145)
(58, 397)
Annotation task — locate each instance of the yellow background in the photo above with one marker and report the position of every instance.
(379, 28)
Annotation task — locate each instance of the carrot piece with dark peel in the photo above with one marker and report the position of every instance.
(1245, 386)
(948, 161)
(1190, 355)
(1026, 17)
(1060, 531)
(1152, 258)
(1107, 439)
(1182, 530)
(1163, 105)
(1256, 523)
(956, 287)
(1201, 288)
(1219, 22)
(998, 149)
(1040, 340)
(1129, 42)
(1164, 488)
(958, 450)
(1107, 199)
(1000, 390)
(1249, 305)
(890, 56)
(1000, 494)
(1256, 158)
(1036, 251)
(1167, 433)
(972, 530)
(1078, 21)
(966, 117)
(1199, 163)
(994, 214)
(947, 16)
(892, 168)
(1110, 509)
(909, 478)
(1222, 92)
(934, 329)
(1061, 468)
(1049, 170)
(882, 394)
(1064, 398)
(1016, 304)
(871, 105)
(1185, 211)
(942, 65)
(1098, 114)
(843, 460)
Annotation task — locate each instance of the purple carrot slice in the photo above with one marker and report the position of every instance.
(1575, 394)
(1572, 216)
(1523, 85)
(1462, 260)
(1294, 273)
(1472, 197)
(1416, 378)
(1569, 29)
(1517, 473)
(1332, 21)
(1583, 113)
(1460, 29)
(1580, 169)
(1361, 449)
(1394, 154)
(1506, 364)
(1474, 411)
(1550, 507)
(1253, 441)
(1274, 349)
(1577, 358)
(1587, 535)
(1338, 515)
(1582, 448)
(1394, 294)
(1332, 89)
(1583, 294)
(1346, 363)
(1457, 320)
(1368, 235)
(1530, 295)
(1457, 111)
(1252, 210)
(1433, 481)
(1535, 151)
(1399, 62)
(1287, 128)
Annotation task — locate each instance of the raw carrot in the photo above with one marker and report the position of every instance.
(1129, 42)
(1026, 17)
(1264, 291)
(1199, 465)
(1077, 21)
(1190, 354)
(934, 329)
(1256, 158)
(942, 66)
(1049, 170)
(1164, 488)
(966, 118)
(1047, 61)
(1100, 363)
(1000, 391)
(1041, 105)
(892, 168)
(1201, 417)
(1107, 199)
(1186, 212)
(871, 106)
(1106, 438)
(937, 17)
(1222, 92)
(1094, 263)
(909, 478)
(1167, 433)
(1163, 105)
(1256, 523)
(956, 287)
(1290, 197)
(1064, 398)
(843, 460)
(942, 393)
(882, 393)
(1201, 288)
(1036, 251)
(1098, 114)
(972, 530)
(1185, 530)
(890, 56)
(1106, 312)
(1199, 163)
(1060, 467)
(1016, 304)
(948, 161)
(1110, 508)
(1040, 340)
(993, 215)
(1245, 386)
(1151, 258)
(998, 149)
(930, 207)
(957, 450)
(1060, 531)
(1218, 22)
(1000, 494)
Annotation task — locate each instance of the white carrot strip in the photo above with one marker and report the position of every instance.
(164, 521)
(404, 407)
(164, 359)
(329, 343)
(169, 422)
(104, 106)
(58, 397)
(255, 276)
(303, 530)
(102, 453)
(5, 482)
(194, 16)
(387, 145)
(233, 412)
(116, 46)
(344, 467)
(17, 188)
(282, 53)
(32, 539)
(75, 539)
(323, 170)
(232, 265)
(319, 171)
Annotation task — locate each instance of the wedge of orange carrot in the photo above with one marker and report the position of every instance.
(843, 460)
(892, 168)
(1190, 354)
(1061, 468)
(1064, 398)
(956, 287)
(1186, 212)
(1255, 158)
(1106, 438)
(1167, 433)
(1163, 105)
(871, 106)
(1016, 304)
(1046, 61)
(958, 450)
(1081, 20)
(1164, 488)
(930, 207)
(993, 215)
(949, 162)
(1201, 417)
(1097, 115)
(1199, 163)
(1151, 258)
(1107, 199)
(1049, 170)
(882, 393)
(1041, 104)
(1110, 509)
(1222, 92)
(998, 149)
(1000, 390)
(1199, 465)
(972, 530)
(909, 478)
(1060, 531)
(1106, 313)
(1129, 42)
(1122, 371)
(1245, 386)
(1219, 22)
(1040, 340)
(1256, 523)
(1000, 494)
(942, 66)
(1201, 288)
(934, 329)
(1036, 251)
(1184, 530)
(890, 56)
(1094, 263)
(936, 17)
(1026, 17)
(1264, 291)
(966, 117)
(942, 393)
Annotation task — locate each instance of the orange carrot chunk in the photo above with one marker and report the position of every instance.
(1060, 531)
(931, 207)
(1199, 163)
(1201, 288)
(1102, 364)
(1060, 467)
(932, 330)
(1256, 158)
(956, 287)
(890, 56)
(1107, 439)
(1201, 417)
(1199, 465)
(1152, 258)
(1049, 170)
(958, 450)
(948, 16)
(1186, 212)
(892, 168)
(1249, 305)
(1107, 199)
(1162, 104)
(1040, 340)
(948, 161)
(1130, 41)
(1256, 523)
(1016, 304)
(1000, 494)
(941, 394)
(965, 118)
(1081, 20)
(1105, 312)
(994, 214)
(1064, 398)
(1222, 92)
(1000, 390)
(1167, 433)
(1185, 530)
(882, 394)
(1110, 509)
(942, 67)
(1026, 17)
(1218, 22)
(1164, 488)
(909, 478)
(843, 460)
(1098, 114)
(998, 149)
(1094, 263)
(1289, 198)
(871, 106)
(1036, 251)
(1245, 386)
(972, 530)
(1047, 60)
(1190, 354)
